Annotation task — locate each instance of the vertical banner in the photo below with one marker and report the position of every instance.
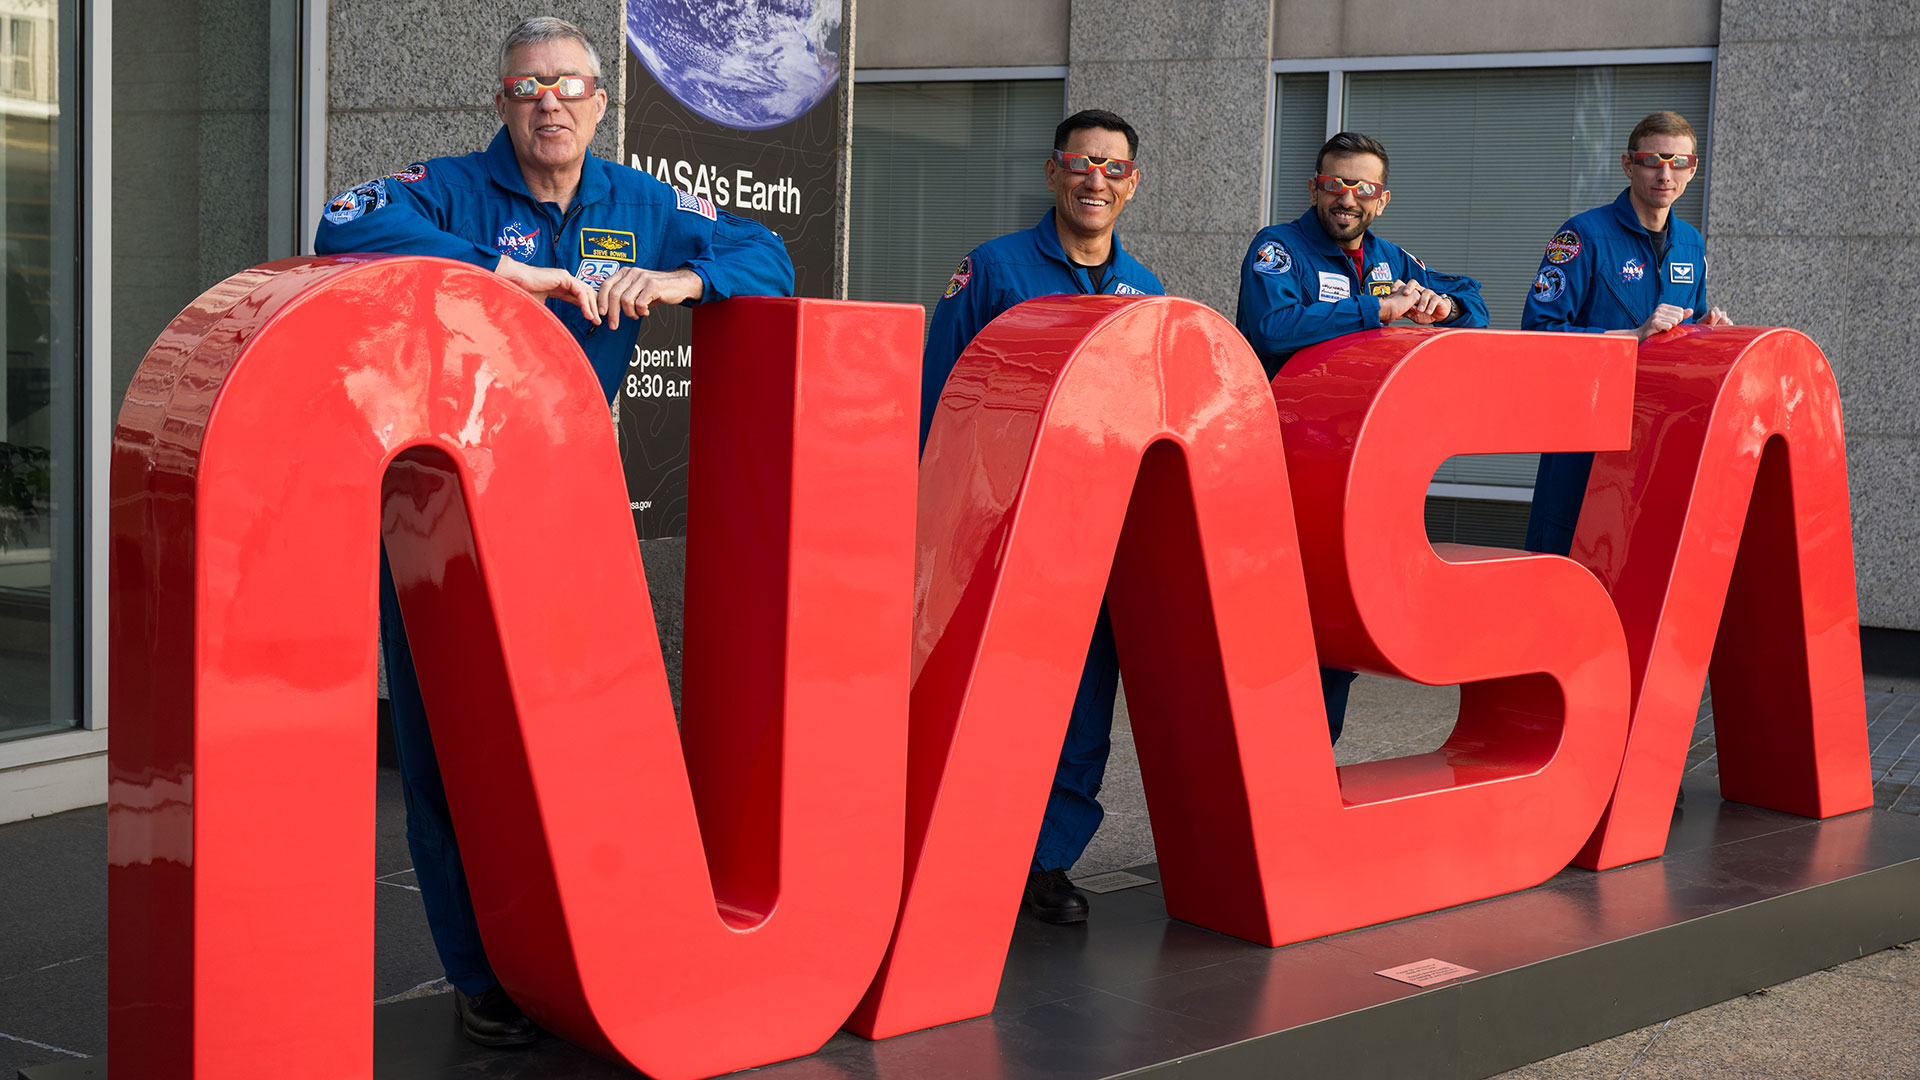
(737, 103)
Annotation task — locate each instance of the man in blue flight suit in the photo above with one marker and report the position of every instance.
(1072, 250)
(1629, 267)
(599, 242)
(1323, 275)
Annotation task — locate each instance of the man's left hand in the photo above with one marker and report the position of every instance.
(1716, 317)
(633, 291)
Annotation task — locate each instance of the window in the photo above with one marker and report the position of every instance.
(938, 169)
(1486, 163)
(20, 56)
(39, 451)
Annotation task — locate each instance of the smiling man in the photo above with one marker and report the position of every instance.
(601, 244)
(1073, 250)
(1629, 267)
(1324, 274)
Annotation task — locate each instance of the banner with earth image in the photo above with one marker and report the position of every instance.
(735, 102)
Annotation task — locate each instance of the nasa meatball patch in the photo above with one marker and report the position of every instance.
(961, 275)
(1564, 247)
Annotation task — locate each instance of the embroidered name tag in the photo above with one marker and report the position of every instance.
(1334, 286)
(1680, 273)
(606, 244)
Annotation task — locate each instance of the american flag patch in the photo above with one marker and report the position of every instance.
(694, 204)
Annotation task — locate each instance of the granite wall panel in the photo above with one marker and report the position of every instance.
(1194, 80)
(1798, 90)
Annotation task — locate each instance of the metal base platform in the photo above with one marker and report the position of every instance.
(1745, 898)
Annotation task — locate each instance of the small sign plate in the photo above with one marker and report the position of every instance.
(1112, 882)
(1427, 972)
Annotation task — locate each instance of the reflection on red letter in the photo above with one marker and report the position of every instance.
(1532, 639)
(1735, 489)
(247, 483)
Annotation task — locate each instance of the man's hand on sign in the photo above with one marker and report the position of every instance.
(550, 283)
(1664, 318)
(1716, 317)
(1432, 307)
(633, 291)
(1401, 301)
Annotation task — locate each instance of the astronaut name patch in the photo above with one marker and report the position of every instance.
(961, 275)
(1334, 286)
(1124, 289)
(1680, 273)
(1633, 270)
(1564, 247)
(517, 240)
(595, 272)
(1272, 258)
(693, 204)
(1550, 285)
(606, 244)
(354, 202)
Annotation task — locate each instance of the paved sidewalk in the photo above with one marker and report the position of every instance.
(1860, 1021)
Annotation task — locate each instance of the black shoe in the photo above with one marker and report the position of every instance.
(492, 1019)
(1052, 898)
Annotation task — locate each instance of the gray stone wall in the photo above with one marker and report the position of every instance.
(413, 79)
(979, 33)
(1801, 89)
(1319, 28)
(1193, 80)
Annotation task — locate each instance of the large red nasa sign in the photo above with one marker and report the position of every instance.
(879, 655)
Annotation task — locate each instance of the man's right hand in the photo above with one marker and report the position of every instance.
(1664, 318)
(551, 283)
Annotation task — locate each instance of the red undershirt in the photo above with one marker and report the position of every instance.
(1359, 256)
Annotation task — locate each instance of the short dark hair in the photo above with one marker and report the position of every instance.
(1095, 118)
(1352, 142)
(1662, 123)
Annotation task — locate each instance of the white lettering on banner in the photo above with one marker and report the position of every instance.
(678, 356)
(741, 191)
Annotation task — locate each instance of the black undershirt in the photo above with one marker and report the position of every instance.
(1660, 237)
(1097, 274)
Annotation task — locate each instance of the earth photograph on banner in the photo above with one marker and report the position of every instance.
(747, 64)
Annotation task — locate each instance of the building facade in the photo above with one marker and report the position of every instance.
(154, 147)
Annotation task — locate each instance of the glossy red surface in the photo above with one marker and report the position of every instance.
(248, 496)
(1139, 434)
(1725, 538)
(1532, 640)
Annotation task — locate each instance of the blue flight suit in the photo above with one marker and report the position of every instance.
(1297, 288)
(992, 278)
(1600, 272)
(476, 208)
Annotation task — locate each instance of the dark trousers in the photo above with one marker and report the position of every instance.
(1073, 807)
(436, 855)
(1558, 490)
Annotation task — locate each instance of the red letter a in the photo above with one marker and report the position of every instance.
(1735, 489)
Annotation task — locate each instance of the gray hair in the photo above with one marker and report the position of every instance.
(543, 28)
